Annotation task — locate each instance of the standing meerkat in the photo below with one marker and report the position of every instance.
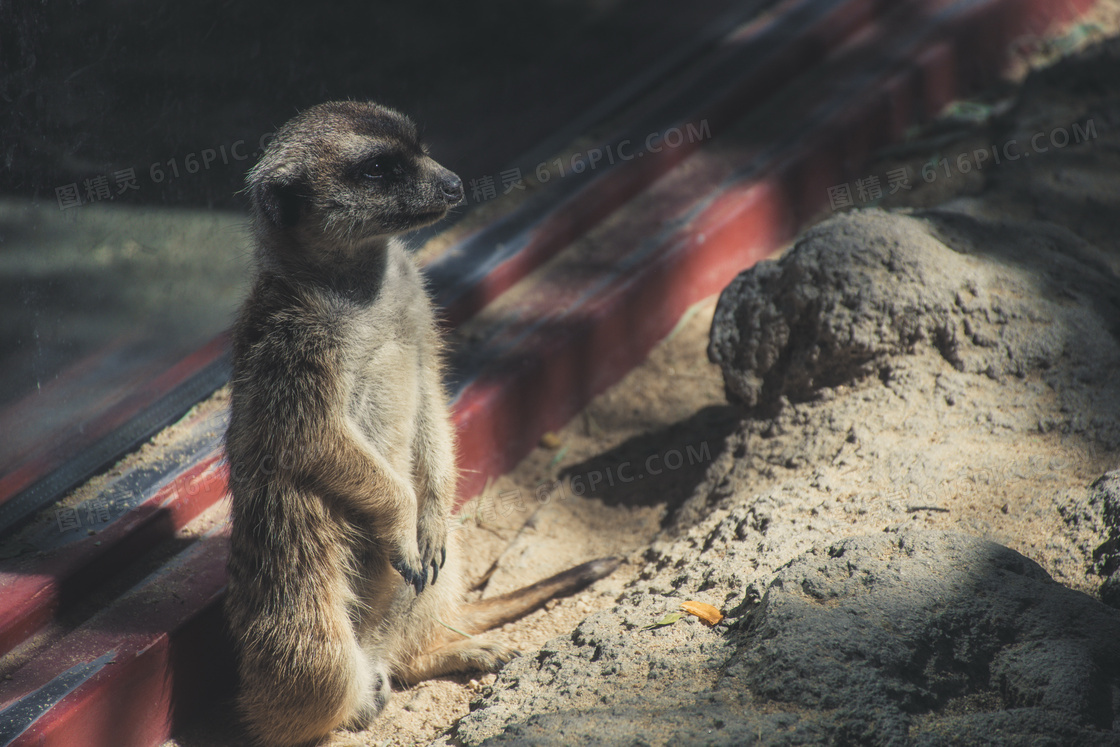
(340, 444)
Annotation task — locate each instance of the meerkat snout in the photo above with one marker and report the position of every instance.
(452, 188)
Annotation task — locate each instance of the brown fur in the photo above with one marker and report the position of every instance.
(341, 570)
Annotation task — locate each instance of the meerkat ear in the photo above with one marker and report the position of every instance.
(280, 200)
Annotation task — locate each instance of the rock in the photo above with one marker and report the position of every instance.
(896, 638)
(1110, 591)
(1098, 511)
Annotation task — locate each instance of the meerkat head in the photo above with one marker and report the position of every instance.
(343, 175)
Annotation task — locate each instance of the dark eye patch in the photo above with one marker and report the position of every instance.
(380, 166)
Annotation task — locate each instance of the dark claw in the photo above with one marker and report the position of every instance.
(435, 572)
(409, 575)
(404, 570)
(442, 556)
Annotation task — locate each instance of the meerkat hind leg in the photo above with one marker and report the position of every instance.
(467, 655)
(373, 702)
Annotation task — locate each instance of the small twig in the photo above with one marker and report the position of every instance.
(915, 509)
(558, 457)
(460, 632)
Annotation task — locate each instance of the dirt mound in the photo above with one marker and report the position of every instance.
(992, 299)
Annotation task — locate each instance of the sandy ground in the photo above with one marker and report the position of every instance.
(672, 411)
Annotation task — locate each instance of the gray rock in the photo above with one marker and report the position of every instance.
(898, 638)
(1110, 591)
(1098, 511)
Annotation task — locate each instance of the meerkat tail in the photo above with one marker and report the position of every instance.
(489, 613)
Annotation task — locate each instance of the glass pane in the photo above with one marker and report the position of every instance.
(128, 128)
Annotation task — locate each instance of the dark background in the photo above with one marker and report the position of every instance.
(95, 87)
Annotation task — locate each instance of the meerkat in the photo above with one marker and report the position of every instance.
(342, 574)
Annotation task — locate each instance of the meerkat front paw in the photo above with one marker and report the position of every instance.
(431, 536)
(407, 562)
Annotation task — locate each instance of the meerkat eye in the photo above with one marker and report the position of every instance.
(375, 168)
(381, 167)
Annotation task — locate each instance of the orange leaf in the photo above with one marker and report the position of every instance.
(550, 440)
(705, 612)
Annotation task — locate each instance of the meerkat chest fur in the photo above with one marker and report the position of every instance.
(388, 344)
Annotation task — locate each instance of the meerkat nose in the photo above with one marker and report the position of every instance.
(452, 188)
